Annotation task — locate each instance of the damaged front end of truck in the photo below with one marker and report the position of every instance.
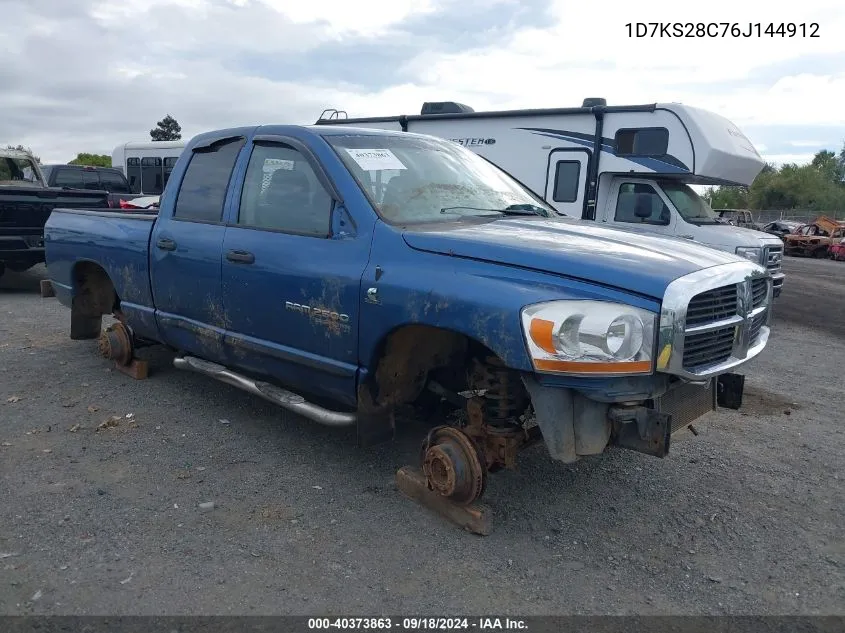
(680, 365)
(709, 325)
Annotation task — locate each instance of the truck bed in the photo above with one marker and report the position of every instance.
(117, 241)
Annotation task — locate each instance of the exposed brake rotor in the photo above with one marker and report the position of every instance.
(116, 344)
(453, 465)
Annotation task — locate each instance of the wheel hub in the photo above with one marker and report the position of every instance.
(116, 344)
(439, 467)
(453, 465)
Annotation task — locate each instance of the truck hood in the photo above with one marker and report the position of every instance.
(583, 250)
(727, 236)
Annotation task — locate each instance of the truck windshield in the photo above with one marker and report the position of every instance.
(411, 179)
(17, 171)
(692, 207)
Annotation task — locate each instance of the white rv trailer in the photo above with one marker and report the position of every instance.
(624, 166)
(147, 164)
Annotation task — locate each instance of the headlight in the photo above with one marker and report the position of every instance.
(753, 253)
(589, 337)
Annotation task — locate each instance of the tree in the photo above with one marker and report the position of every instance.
(92, 160)
(817, 187)
(829, 166)
(21, 148)
(727, 197)
(168, 129)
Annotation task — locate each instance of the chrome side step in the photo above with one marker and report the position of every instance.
(287, 399)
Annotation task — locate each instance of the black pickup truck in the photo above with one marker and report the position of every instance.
(109, 179)
(25, 204)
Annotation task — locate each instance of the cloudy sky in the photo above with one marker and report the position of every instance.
(86, 75)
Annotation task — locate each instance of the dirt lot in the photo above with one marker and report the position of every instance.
(746, 518)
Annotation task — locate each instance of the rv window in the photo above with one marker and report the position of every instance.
(133, 174)
(641, 204)
(113, 182)
(282, 192)
(652, 141)
(567, 174)
(203, 188)
(169, 164)
(151, 175)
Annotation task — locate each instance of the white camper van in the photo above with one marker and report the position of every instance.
(625, 166)
(147, 164)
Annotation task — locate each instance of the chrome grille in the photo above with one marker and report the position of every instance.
(713, 305)
(773, 256)
(758, 292)
(714, 319)
(706, 348)
(756, 324)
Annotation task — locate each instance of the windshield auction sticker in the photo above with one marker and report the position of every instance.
(375, 159)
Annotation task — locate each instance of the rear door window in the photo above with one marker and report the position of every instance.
(203, 189)
(567, 175)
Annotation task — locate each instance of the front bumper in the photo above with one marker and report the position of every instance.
(574, 426)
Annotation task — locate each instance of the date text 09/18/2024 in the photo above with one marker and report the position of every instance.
(721, 29)
(418, 624)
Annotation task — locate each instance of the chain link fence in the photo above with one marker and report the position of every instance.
(763, 216)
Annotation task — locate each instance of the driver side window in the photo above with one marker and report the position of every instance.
(639, 203)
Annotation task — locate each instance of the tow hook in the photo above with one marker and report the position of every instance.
(729, 389)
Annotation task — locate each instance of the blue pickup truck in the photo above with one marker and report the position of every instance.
(347, 274)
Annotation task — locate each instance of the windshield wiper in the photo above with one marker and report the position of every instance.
(524, 209)
(514, 209)
(450, 209)
(702, 220)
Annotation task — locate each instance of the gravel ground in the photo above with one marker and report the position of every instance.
(745, 518)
